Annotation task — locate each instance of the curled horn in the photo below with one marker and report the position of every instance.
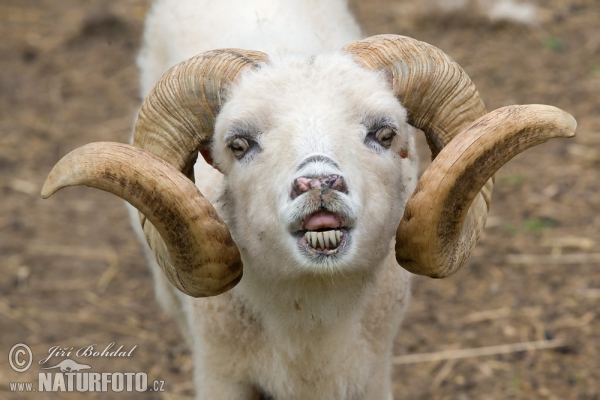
(445, 215)
(190, 242)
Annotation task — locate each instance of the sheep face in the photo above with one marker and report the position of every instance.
(317, 145)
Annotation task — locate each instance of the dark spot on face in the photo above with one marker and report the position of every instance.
(263, 395)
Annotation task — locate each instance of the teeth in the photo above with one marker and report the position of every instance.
(324, 240)
(331, 236)
(313, 239)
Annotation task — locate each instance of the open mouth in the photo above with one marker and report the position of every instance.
(325, 240)
(323, 233)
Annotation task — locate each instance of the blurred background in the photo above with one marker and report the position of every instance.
(73, 273)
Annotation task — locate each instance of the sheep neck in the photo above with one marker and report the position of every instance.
(306, 304)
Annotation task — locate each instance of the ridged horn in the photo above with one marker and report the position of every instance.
(190, 242)
(444, 217)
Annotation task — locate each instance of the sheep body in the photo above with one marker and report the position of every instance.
(177, 30)
(288, 330)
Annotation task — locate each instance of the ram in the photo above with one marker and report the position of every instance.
(307, 160)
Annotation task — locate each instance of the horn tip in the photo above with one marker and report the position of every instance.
(50, 187)
(572, 128)
(565, 125)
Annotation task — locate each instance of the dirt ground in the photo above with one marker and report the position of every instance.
(73, 274)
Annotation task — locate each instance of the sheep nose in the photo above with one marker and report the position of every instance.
(332, 182)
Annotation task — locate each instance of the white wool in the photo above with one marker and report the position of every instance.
(525, 13)
(292, 328)
(509, 10)
(177, 30)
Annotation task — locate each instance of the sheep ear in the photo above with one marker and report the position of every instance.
(207, 155)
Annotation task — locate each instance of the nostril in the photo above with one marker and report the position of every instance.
(300, 186)
(304, 184)
(336, 182)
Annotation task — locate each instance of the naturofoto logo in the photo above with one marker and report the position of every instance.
(69, 375)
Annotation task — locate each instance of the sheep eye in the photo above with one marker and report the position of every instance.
(385, 136)
(239, 147)
(381, 138)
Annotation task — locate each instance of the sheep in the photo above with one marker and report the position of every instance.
(299, 170)
(525, 13)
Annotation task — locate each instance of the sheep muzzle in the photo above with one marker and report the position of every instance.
(331, 182)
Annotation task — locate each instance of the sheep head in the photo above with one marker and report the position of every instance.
(312, 152)
(318, 163)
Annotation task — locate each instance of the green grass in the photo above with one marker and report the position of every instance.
(530, 225)
(539, 224)
(554, 43)
(511, 180)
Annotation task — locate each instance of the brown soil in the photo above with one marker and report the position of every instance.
(73, 274)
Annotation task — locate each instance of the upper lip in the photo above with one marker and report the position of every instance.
(306, 207)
